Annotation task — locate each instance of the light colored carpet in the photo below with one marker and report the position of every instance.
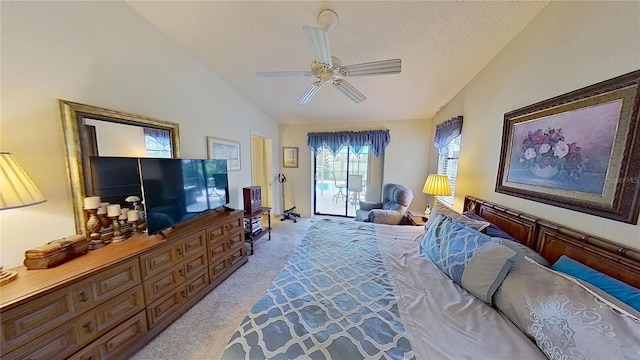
(203, 331)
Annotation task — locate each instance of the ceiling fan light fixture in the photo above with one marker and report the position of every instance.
(349, 90)
(327, 19)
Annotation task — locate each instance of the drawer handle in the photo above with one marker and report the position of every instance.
(83, 296)
(87, 327)
(179, 250)
(90, 357)
(181, 272)
(184, 294)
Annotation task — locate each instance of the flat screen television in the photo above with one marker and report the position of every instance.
(114, 178)
(176, 190)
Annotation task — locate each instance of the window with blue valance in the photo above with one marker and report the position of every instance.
(445, 132)
(377, 140)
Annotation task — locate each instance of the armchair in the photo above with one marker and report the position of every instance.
(393, 208)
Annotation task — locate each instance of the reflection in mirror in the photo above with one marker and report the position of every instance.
(92, 131)
(114, 139)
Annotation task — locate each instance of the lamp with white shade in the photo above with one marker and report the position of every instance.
(436, 185)
(16, 190)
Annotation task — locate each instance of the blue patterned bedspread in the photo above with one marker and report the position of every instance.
(333, 300)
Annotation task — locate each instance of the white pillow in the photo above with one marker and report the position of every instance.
(439, 208)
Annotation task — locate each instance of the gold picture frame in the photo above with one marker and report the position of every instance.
(579, 151)
(290, 157)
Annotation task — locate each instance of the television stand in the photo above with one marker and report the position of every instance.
(252, 228)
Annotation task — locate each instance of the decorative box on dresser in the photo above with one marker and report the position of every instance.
(111, 302)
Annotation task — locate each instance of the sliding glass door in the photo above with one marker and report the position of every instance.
(340, 180)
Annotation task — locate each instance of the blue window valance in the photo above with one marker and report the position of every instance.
(445, 132)
(377, 140)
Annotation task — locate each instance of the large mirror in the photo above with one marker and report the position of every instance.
(92, 131)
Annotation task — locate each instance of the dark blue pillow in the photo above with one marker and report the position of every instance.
(614, 287)
(491, 230)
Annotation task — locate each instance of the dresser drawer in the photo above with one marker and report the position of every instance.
(217, 232)
(197, 283)
(160, 259)
(115, 280)
(72, 335)
(165, 306)
(236, 238)
(90, 352)
(119, 340)
(162, 283)
(194, 244)
(237, 255)
(219, 268)
(218, 250)
(36, 318)
(236, 224)
(58, 343)
(195, 264)
(41, 315)
(111, 313)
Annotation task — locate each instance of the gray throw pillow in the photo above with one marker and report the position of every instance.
(524, 250)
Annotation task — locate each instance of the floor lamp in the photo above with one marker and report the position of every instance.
(16, 190)
(436, 185)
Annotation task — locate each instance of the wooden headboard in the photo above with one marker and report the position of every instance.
(553, 240)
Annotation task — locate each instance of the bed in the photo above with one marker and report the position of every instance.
(357, 290)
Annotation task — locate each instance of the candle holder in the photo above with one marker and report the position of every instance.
(134, 227)
(135, 203)
(102, 215)
(115, 224)
(93, 225)
(133, 216)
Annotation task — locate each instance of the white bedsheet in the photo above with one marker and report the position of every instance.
(442, 320)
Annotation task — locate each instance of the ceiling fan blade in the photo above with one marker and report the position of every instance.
(283, 73)
(349, 90)
(310, 92)
(318, 40)
(383, 67)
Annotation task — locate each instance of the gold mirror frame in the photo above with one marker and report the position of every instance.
(77, 145)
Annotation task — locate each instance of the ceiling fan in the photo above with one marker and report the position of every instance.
(327, 68)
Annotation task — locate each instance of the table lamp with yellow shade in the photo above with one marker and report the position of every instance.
(436, 185)
(16, 190)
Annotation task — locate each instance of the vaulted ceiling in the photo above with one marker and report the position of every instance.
(442, 44)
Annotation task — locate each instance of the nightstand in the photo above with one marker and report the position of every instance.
(416, 218)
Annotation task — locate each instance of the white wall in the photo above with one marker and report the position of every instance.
(569, 45)
(404, 161)
(103, 54)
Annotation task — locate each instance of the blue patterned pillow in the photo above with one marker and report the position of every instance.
(474, 260)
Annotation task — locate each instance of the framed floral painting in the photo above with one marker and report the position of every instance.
(580, 150)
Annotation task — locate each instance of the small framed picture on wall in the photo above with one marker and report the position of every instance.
(290, 157)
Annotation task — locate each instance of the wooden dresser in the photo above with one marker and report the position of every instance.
(111, 302)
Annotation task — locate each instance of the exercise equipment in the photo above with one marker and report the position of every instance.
(287, 214)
